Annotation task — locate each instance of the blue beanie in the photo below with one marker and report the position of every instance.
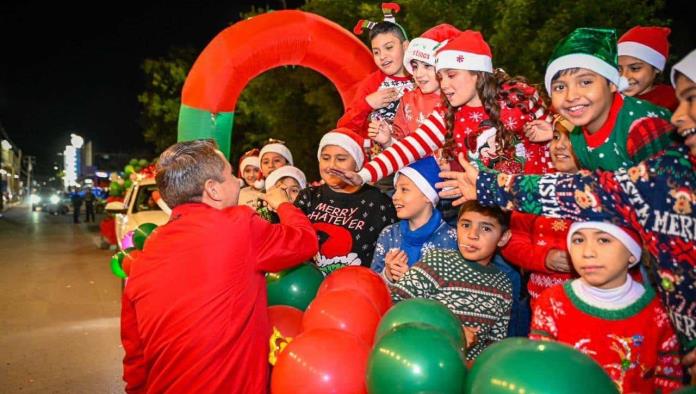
(424, 173)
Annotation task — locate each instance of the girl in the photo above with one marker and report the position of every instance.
(273, 155)
(249, 174)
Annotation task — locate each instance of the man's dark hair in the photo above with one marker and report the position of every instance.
(494, 212)
(388, 27)
(183, 169)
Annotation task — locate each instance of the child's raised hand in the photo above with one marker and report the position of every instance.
(379, 131)
(382, 98)
(396, 264)
(347, 176)
(538, 130)
(557, 260)
(459, 184)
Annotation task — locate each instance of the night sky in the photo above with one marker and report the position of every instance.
(70, 68)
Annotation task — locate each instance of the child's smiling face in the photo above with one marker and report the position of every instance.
(388, 53)
(425, 77)
(333, 156)
(250, 174)
(271, 161)
(640, 75)
(408, 200)
(459, 87)
(583, 97)
(684, 116)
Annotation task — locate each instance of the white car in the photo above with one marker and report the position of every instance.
(139, 206)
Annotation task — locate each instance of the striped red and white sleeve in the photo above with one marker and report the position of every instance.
(425, 140)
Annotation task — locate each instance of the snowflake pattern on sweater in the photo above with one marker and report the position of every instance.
(635, 345)
(347, 224)
(656, 197)
(481, 296)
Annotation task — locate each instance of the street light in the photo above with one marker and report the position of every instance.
(76, 141)
(5, 144)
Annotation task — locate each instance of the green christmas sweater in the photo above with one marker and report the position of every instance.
(634, 131)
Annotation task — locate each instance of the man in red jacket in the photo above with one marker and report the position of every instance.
(194, 315)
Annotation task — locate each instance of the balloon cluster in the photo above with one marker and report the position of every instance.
(135, 167)
(133, 243)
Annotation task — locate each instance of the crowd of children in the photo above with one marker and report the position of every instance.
(436, 104)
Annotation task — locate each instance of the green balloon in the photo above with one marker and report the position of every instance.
(536, 367)
(143, 163)
(421, 310)
(117, 264)
(296, 286)
(416, 358)
(141, 234)
(133, 162)
(127, 183)
(129, 169)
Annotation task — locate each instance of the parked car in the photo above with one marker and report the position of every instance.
(139, 206)
(53, 201)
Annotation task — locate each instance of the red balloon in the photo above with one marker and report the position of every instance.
(345, 310)
(321, 361)
(362, 279)
(286, 319)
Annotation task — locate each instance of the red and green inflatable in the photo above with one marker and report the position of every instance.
(250, 47)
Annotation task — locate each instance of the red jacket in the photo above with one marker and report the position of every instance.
(194, 315)
(662, 95)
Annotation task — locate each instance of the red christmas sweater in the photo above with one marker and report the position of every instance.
(413, 110)
(635, 345)
(357, 115)
(473, 138)
(662, 95)
(194, 316)
(533, 237)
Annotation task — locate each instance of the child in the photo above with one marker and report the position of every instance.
(273, 155)
(538, 243)
(289, 178)
(609, 316)
(643, 52)
(421, 227)
(377, 96)
(465, 280)
(348, 219)
(249, 166)
(612, 131)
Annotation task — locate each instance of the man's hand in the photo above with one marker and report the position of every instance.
(538, 130)
(459, 185)
(557, 260)
(274, 197)
(350, 177)
(382, 98)
(380, 132)
(396, 264)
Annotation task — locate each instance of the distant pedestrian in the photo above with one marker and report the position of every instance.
(76, 200)
(89, 205)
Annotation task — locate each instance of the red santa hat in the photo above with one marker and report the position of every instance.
(347, 139)
(278, 148)
(287, 171)
(626, 235)
(249, 158)
(686, 66)
(423, 48)
(467, 51)
(647, 43)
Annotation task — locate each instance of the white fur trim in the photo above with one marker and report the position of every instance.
(422, 49)
(250, 161)
(615, 231)
(260, 184)
(581, 60)
(460, 60)
(345, 142)
(642, 52)
(686, 66)
(421, 183)
(279, 149)
(287, 171)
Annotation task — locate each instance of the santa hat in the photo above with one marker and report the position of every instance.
(589, 48)
(466, 51)
(389, 10)
(686, 66)
(423, 48)
(626, 235)
(278, 148)
(347, 139)
(424, 173)
(647, 43)
(287, 171)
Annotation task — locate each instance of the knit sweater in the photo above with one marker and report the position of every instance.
(481, 296)
(398, 236)
(533, 237)
(635, 344)
(656, 198)
(347, 224)
(357, 115)
(469, 125)
(661, 95)
(634, 131)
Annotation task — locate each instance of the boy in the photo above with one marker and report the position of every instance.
(421, 228)
(249, 167)
(348, 219)
(464, 280)
(609, 316)
(611, 131)
(377, 96)
(289, 178)
(643, 52)
(273, 155)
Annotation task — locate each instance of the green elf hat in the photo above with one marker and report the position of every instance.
(590, 48)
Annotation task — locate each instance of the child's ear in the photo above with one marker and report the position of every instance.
(612, 88)
(632, 259)
(405, 44)
(504, 238)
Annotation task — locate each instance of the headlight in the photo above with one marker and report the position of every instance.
(34, 199)
(54, 199)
